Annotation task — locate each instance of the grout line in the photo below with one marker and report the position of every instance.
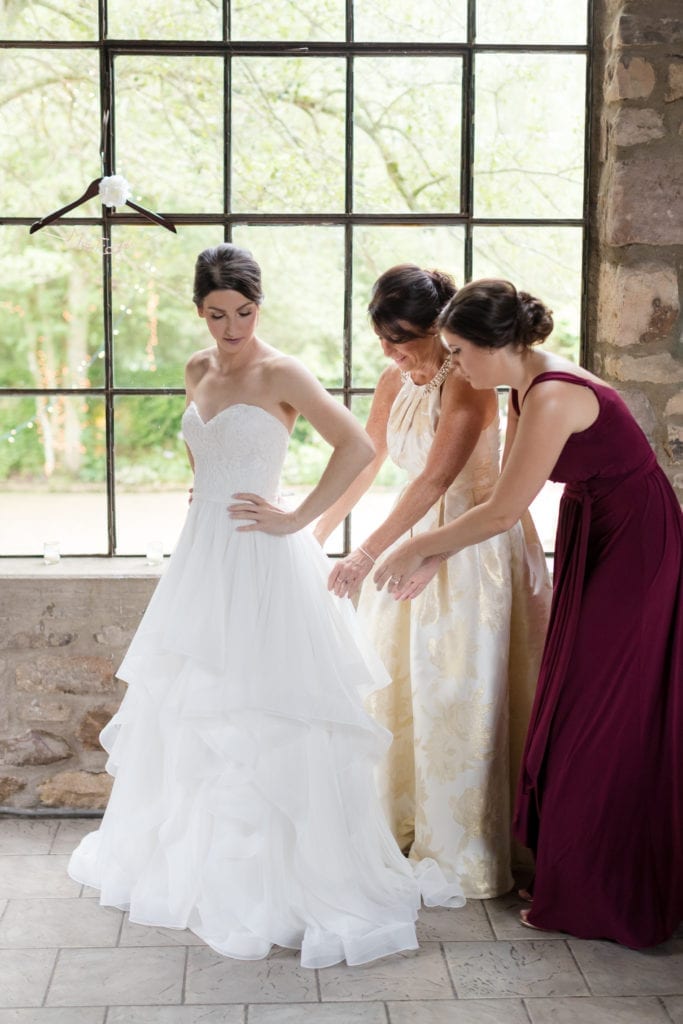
(117, 944)
(4, 911)
(317, 985)
(183, 987)
(54, 838)
(245, 1014)
(448, 971)
(664, 1008)
(51, 978)
(527, 1010)
(386, 1012)
(106, 1015)
(578, 965)
(490, 921)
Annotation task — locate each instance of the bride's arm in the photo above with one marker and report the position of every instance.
(376, 429)
(352, 451)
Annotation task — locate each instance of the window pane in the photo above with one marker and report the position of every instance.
(155, 323)
(532, 21)
(52, 474)
(404, 161)
(288, 134)
(152, 472)
(438, 21)
(375, 249)
(303, 282)
(169, 131)
(157, 19)
(287, 19)
(529, 137)
(545, 261)
(51, 308)
(56, 94)
(378, 501)
(34, 19)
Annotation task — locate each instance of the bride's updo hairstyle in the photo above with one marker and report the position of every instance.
(226, 266)
(492, 314)
(409, 294)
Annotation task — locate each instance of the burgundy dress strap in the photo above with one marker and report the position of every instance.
(564, 375)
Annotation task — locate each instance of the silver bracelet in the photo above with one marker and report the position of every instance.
(367, 554)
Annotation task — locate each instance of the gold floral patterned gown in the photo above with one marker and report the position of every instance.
(464, 658)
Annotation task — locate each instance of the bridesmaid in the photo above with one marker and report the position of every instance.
(600, 800)
(464, 657)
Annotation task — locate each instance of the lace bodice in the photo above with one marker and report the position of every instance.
(413, 420)
(242, 448)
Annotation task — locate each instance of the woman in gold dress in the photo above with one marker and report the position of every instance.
(464, 655)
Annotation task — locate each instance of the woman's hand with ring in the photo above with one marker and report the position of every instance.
(348, 574)
(397, 568)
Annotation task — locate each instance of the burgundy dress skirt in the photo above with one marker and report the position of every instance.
(600, 797)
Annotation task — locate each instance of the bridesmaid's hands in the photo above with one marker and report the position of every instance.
(263, 516)
(418, 579)
(400, 571)
(348, 573)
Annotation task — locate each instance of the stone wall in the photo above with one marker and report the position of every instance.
(61, 643)
(636, 258)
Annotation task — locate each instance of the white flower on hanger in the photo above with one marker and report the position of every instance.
(114, 190)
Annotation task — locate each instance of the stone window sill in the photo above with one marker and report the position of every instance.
(79, 568)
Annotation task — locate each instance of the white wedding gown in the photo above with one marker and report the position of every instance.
(244, 805)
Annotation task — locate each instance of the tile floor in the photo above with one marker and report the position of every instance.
(66, 960)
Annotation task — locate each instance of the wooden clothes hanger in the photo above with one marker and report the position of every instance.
(91, 191)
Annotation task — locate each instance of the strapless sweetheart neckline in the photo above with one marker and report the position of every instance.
(235, 405)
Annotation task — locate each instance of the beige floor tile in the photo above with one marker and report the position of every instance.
(24, 976)
(319, 1013)
(70, 833)
(494, 969)
(50, 1015)
(613, 970)
(625, 1010)
(19, 836)
(674, 1007)
(418, 975)
(118, 977)
(34, 876)
(145, 935)
(176, 1015)
(277, 979)
(459, 1011)
(503, 913)
(439, 924)
(40, 923)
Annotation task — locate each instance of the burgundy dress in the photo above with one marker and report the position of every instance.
(600, 798)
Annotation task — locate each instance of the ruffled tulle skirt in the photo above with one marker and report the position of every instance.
(244, 804)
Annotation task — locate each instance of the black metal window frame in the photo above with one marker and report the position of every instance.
(110, 49)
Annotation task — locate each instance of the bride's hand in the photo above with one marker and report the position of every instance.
(348, 573)
(263, 516)
(398, 567)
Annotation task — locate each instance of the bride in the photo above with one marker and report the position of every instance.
(244, 806)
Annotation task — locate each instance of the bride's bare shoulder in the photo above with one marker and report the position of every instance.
(197, 365)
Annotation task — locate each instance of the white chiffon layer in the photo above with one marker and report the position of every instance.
(244, 805)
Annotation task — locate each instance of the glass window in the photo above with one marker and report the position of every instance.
(405, 159)
(327, 136)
